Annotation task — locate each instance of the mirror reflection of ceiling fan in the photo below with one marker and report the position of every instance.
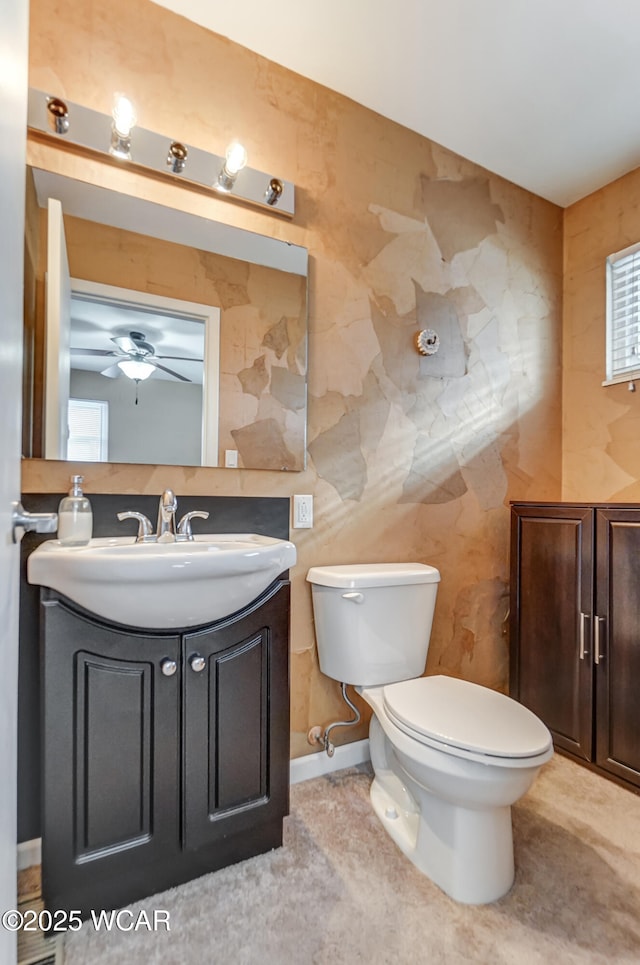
(136, 357)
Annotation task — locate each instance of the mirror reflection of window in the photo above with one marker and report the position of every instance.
(88, 430)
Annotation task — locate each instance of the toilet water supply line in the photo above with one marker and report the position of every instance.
(317, 736)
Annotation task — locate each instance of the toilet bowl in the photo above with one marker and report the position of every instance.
(453, 802)
(449, 757)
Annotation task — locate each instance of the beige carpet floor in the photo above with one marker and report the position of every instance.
(339, 891)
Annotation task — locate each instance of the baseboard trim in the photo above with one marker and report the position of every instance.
(29, 853)
(315, 765)
(300, 769)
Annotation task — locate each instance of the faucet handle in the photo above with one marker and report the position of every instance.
(145, 531)
(184, 526)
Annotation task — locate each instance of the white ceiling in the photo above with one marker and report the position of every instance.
(542, 92)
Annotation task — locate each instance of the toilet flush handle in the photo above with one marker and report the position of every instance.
(354, 597)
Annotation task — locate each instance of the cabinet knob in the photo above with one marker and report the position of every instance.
(168, 667)
(197, 662)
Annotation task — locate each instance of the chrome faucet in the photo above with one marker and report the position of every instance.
(166, 531)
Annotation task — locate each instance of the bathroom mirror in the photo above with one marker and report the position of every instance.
(216, 315)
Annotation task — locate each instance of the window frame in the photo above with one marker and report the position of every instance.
(617, 376)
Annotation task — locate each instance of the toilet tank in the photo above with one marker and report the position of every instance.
(373, 620)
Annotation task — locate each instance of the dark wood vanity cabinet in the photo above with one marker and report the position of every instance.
(236, 729)
(575, 629)
(165, 755)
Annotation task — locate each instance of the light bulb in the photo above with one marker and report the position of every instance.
(137, 370)
(58, 115)
(274, 191)
(124, 115)
(235, 158)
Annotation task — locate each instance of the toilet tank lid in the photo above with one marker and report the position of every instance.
(350, 576)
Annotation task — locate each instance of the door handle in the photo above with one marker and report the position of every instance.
(23, 522)
(598, 655)
(583, 636)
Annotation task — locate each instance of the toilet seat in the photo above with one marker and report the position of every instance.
(464, 719)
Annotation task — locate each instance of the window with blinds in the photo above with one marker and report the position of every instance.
(623, 316)
(88, 430)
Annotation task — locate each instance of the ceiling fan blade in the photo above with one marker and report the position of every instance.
(93, 351)
(176, 375)
(113, 372)
(179, 358)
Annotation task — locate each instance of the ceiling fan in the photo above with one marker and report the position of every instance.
(137, 358)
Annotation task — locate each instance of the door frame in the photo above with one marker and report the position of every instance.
(14, 39)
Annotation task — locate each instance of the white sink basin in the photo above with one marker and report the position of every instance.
(162, 585)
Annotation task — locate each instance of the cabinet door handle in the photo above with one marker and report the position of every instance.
(583, 636)
(197, 662)
(168, 667)
(598, 655)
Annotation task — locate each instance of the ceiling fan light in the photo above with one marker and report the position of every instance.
(135, 369)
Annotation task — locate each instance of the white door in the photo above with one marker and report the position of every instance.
(13, 92)
(58, 327)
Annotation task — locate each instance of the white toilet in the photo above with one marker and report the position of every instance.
(449, 757)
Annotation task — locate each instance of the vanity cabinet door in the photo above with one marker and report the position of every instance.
(236, 724)
(111, 759)
(617, 611)
(551, 669)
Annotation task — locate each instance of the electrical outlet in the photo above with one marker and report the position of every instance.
(231, 458)
(303, 512)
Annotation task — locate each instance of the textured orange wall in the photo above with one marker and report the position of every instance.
(409, 458)
(601, 451)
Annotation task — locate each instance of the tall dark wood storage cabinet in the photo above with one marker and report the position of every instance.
(575, 629)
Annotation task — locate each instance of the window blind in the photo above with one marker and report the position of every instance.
(623, 316)
(88, 430)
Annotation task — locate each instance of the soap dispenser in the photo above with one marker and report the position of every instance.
(75, 519)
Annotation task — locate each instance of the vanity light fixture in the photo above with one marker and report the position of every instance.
(109, 137)
(58, 115)
(124, 120)
(235, 159)
(136, 369)
(177, 157)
